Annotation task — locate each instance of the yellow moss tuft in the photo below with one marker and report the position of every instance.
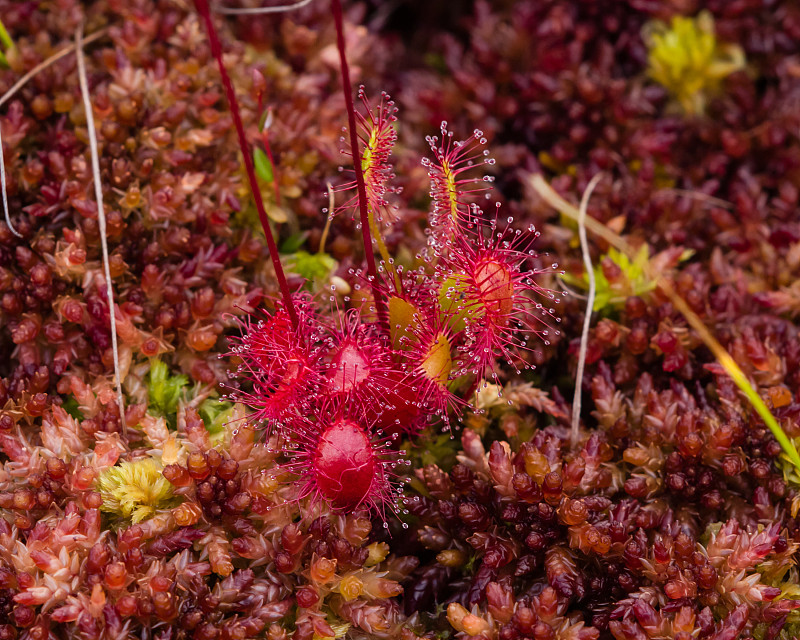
(135, 490)
(686, 59)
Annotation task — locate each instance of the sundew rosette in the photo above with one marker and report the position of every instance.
(321, 392)
(335, 388)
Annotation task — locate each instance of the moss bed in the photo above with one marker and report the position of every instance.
(667, 510)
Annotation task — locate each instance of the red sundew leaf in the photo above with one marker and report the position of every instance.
(361, 370)
(488, 289)
(377, 133)
(451, 191)
(283, 363)
(345, 465)
(340, 462)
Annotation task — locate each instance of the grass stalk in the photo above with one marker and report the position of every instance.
(543, 188)
(101, 217)
(587, 318)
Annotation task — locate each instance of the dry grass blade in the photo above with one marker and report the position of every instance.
(46, 63)
(547, 192)
(10, 94)
(101, 215)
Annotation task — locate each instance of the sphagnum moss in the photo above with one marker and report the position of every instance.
(686, 58)
(135, 490)
(620, 535)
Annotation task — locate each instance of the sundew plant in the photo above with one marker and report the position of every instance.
(336, 387)
(285, 356)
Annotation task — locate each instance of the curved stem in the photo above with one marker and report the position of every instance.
(101, 217)
(727, 362)
(46, 63)
(587, 318)
(3, 186)
(10, 94)
(285, 8)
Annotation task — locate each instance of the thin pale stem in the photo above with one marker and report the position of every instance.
(380, 304)
(547, 192)
(216, 51)
(101, 217)
(587, 318)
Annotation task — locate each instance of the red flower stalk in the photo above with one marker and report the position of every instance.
(380, 305)
(216, 51)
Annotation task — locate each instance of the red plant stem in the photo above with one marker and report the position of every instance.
(380, 305)
(216, 51)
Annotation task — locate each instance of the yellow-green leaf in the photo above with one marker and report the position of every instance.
(263, 165)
